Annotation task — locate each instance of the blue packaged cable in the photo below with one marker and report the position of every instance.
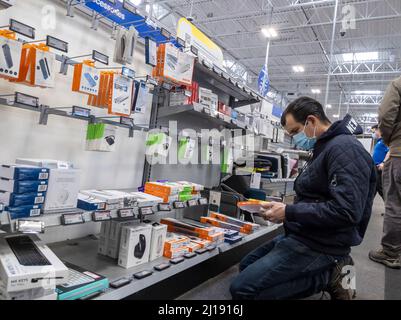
(23, 172)
(23, 186)
(17, 200)
(24, 211)
(233, 239)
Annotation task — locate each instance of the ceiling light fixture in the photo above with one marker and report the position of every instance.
(328, 106)
(336, 116)
(316, 91)
(298, 68)
(367, 92)
(361, 56)
(270, 32)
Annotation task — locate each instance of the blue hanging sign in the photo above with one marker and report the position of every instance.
(263, 81)
(277, 111)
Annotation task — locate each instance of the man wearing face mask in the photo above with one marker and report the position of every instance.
(334, 197)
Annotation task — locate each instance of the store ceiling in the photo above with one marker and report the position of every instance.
(304, 39)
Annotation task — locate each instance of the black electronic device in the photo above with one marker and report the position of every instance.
(162, 267)
(120, 283)
(190, 255)
(26, 251)
(143, 274)
(177, 260)
(140, 247)
(211, 248)
(201, 251)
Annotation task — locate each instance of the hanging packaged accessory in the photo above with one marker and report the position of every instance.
(120, 102)
(86, 78)
(150, 52)
(125, 45)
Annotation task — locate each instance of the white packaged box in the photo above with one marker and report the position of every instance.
(10, 57)
(104, 238)
(146, 200)
(47, 293)
(45, 163)
(63, 189)
(128, 199)
(159, 233)
(107, 196)
(135, 245)
(90, 80)
(45, 73)
(113, 245)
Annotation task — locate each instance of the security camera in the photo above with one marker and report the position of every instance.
(342, 33)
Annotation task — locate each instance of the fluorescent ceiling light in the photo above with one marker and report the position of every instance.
(367, 92)
(269, 32)
(316, 91)
(298, 68)
(336, 116)
(360, 56)
(328, 106)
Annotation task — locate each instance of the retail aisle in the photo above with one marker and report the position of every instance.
(370, 276)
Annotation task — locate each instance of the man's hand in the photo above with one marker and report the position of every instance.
(273, 212)
(380, 166)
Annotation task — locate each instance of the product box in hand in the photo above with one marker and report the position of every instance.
(23, 172)
(24, 211)
(23, 186)
(159, 233)
(247, 225)
(16, 200)
(10, 57)
(135, 245)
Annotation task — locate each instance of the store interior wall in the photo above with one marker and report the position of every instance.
(63, 138)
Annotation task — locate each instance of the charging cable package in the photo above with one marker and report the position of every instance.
(121, 96)
(101, 137)
(150, 52)
(142, 104)
(158, 144)
(86, 78)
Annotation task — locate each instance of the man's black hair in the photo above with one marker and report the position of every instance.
(303, 107)
(375, 127)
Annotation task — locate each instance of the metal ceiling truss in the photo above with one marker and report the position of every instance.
(365, 99)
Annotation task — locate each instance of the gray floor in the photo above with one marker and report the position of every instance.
(370, 276)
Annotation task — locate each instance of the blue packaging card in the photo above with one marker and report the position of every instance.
(24, 211)
(233, 239)
(20, 172)
(26, 199)
(23, 186)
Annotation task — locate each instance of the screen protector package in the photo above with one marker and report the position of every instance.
(121, 99)
(142, 104)
(10, 57)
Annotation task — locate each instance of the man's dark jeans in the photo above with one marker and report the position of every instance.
(283, 269)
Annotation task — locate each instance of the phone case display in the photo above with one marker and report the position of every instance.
(174, 65)
(150, 52)
(125, 45)
(10, 55)
(121, 97)
(101, 137)
(142, 104)
(37, 66)
(86, 78)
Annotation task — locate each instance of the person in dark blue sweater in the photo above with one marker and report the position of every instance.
(380, 152)
(334, 197)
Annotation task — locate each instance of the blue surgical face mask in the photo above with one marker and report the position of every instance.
(303, 142)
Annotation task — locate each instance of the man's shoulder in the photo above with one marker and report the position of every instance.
(347, 145)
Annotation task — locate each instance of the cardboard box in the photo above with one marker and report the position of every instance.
(104, 238)
(16, 200)
(175, 241)
(129, 200)
(23, 172)
(159, 234)
(62, 193)
(172, 254)
(135, 245)
(21, 186)
(24, 211)
(113, 244)
(193, 246)
(202, 242)
(146, 200)
(89, 203)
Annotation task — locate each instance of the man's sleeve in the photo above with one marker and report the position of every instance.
(349, 180)
(389, 109)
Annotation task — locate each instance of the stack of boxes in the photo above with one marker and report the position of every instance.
(23, 190)
(174, 191)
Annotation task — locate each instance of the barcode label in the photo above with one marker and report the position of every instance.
(39, 200)
(43, 176)
(35, 212)
(42, 188)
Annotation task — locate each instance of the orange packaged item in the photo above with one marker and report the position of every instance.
(174, 242)
(224, 225)
(202, 242)
(172, 254)
(193, 246)
(86, 78)
(244, 224)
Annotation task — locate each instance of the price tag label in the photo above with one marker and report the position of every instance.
(202, 201)
(27, 100)
(57, 44)
(146, 211)
(179, 205)
(181, 42)
(164, 207)
(127, 121)
(150, 80)
(100, 57)
(72, 218)
(81, 112)
(129, 73)
(207, 64)
(218, 71)
(34, 212)
(215, 198)
(192, 203)
(255, 180)
(226, 76)
(30, 226)
(194, 50)
(22, 28)
(101, 216)
(126, 213)
(165, 33)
